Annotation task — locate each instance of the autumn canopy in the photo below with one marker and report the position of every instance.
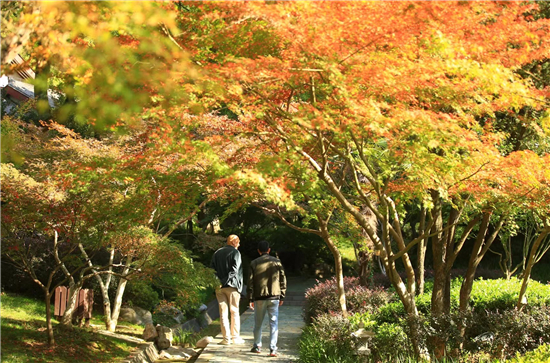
(363, 112)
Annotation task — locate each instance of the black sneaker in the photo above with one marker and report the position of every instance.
(255, 350)
(273, 353)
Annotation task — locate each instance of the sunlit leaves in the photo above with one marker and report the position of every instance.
(112, 58)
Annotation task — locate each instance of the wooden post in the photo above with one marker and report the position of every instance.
(60, 304)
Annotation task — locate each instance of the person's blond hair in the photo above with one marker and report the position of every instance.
(233, 240)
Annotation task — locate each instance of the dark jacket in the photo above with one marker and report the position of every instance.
(227, 263)
(267, 279)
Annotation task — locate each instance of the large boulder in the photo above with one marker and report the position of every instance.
(174, 313)
(136, 315)
(129, 315)
(150, 333)
(164, 338)
(144, 315)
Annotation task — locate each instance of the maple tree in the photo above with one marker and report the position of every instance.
(369, 108)
(108, 61)
(386, 100)
(68, 182)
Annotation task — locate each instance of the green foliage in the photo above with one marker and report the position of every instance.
(165, 314)
(494, 328)
(11, 136)
(181, 336)
(323, 298)
(327, 339)
(217, 39)
(492, 295)
(141, 293)
(185, 282)
(391, 342)
(519, 331)
(541, 354)
(501, 294)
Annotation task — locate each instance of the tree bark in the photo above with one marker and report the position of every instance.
(466, 288)
(67, 319)
(421, 256)
(337, 263)
(118, 297)
(531, 261)
(103, 285)
(49, 327)
(438, 250)
(481, 247)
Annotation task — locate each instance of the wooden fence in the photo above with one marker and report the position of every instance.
(84, 303)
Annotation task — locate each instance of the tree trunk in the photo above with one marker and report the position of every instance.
(337, 263)
(106, 306)
(481, 247)
(421, 256)
(67, 319)
(466, 288)
(118, 297)
(364, 266)
(406, 292)
(49, 327)
(103, 286)
(530, 262)
(438, 250)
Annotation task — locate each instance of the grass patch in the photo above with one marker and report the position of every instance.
(24, 337)
(122, 327)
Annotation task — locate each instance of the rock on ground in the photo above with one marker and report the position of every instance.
(204, 342)
(150, 333)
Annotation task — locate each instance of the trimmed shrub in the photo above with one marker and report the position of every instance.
(502, 294)
(323, 298)
(493, 324)
(487, 295)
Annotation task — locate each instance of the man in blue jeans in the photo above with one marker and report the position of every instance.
(266, 291)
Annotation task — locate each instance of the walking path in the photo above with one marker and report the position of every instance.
(291, 323)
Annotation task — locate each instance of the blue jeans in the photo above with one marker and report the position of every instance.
(272, 309)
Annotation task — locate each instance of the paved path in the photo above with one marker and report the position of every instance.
(291, 323)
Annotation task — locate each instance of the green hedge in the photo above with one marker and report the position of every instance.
(487, 295)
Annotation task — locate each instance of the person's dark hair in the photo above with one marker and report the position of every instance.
(263, 246)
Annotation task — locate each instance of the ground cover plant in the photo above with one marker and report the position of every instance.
(23, 339)
(541, 354)
(496, 330)
(320, 299)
